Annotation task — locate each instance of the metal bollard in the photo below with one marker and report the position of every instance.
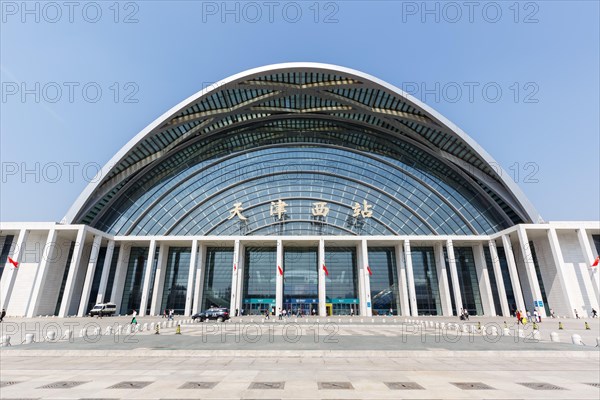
(506, 332)
(5, 341)
(145, 326)
(537, 335)
(109, 330)
(29, 338)
(119, 330)
(465, 329)
(493, 331)
(576, 339)
(83, 332)
(554, 337)
(68, 334)
(51, 336)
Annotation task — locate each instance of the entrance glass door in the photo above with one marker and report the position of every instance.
(300, 280)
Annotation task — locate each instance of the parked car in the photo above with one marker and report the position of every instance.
(103, 309)
(216, 313)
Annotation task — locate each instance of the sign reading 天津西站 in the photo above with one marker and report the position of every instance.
(278, 209)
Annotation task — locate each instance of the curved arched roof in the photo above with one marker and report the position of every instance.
(293, 91)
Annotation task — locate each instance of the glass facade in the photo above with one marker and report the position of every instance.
(134, 281)
(426, 281)
(96, 279)
(61, 291)
(5, 245)
(300, 280)
(341, 285)
(260, 264)
(493, 281)
(467, 279)
(217, 277)
(176, 279)
(411, 191)
(508, 287)
(111, 274)
(538, 274)
(384, 281)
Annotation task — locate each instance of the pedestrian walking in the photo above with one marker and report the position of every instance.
(279, 314)
(133, 320)
(552, 313)
(284, 313)
(2, 314)
(594, 313)
(576, 314)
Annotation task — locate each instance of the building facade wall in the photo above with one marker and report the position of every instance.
(568, 281)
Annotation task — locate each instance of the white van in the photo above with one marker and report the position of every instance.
(103, 309)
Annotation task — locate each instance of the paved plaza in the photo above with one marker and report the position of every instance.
(335, 358)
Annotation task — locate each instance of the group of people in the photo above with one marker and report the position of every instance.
(168, 314)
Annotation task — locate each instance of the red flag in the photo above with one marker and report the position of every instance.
(325, 269)
(369, 270)
(234, 267)
(13, 262)
(280, 270)
(596, 261)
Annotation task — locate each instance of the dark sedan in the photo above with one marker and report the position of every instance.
(218, 314)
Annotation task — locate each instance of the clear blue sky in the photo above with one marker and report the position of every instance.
(547, 130)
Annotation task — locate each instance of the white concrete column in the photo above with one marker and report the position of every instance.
(42, 273)
(499, 278)
(89, 276)
(588, 256)
(362, 297)
(240, 278)
(454, 276)
(199, 286)
(147, 278)
(321, 278)
(442, 274)
(73, 269)
(483, 280)
(234, 277)
(189, 293)
(159, 279)
(530, 270)
(279, 277)
(110, 248)
(412, 294)
(560, 270)
(364, 250)
(514, 275)
(10, 272)
(402, 281)
(116, 295)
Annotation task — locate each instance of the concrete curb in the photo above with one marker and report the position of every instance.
(142, 352)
